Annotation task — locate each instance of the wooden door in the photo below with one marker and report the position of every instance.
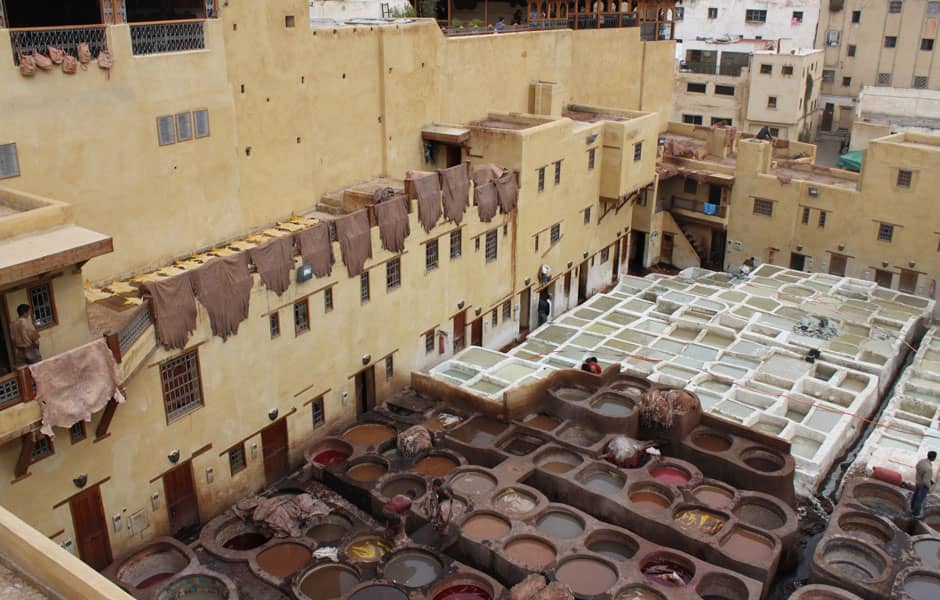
(582, 282)
(460, 331)
(91, 528)
(274, 450)
(615, 272)
(908, 281)
(883, 278)
(525, 311)
(476, 332)
(365, 390)
(567, 288)
(826, 124)
(637, 253)
(837, 264)
(665, 251)
(182, 505)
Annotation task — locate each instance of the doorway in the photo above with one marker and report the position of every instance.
(365, 389)
(6, 349)
(582, 282)
(716, 255)
(908, 281)
(615, 272)
(454, 155)
(182, 505)
(274, 451)
(567, 288)
(476, 332)
(460, 331)
(91, 528)
(797, 261)
(837, 263)
(826, 124)
(638, 248)
(883, 278)
(665, 249)
(525, 300)
(29, 13)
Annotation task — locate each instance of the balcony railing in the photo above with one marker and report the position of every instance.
(705, 208)
(133, 330)
(162, 37)
(38, 39)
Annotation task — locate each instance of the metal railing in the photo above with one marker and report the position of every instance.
(583, 20)
(9, 389)
(705, 208)
(163, 37)
(134, 329)
(38, 39)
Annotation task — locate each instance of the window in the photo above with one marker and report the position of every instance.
(494, 318)
(184, 127)
(904, 178)
(822, 219)
(766, 69)
(679, 13)
(846, 81)
(891, 41)
(885, 232)
(587, 216)
(884, 78)
(301, 317)
(775, 131)
(43, 305)
(201, 121)
(429, 342)
(933, 9)
(491, 249)
(42, 448)
(806, 215)
(288, 20)
(541, 179)
(555, 233)
(507, 310)
(920, 82)
(771, 102)
(829, 75)
(763, 207)
(236, 459)
(712, 12)
(894, 6)
(883, 278)
(722, 121)
(181, 383)
(77, 432)
(692, 119)
(557, 172)
(850, 51)
(724, 90)
(389, 368)
(317, 412)
(856, 16)
(274, 323)
(364, 287)
(697, 88)
(393, 274)
(430, 255)
(797, 17)
(755, 16)
(786, 70)
(9, 162)
(833, 37)
(327, 299)
(536, 242)
(926, 44)
(166, 130)
(689, 186)
(605, 254)
(476, 244)
(637, 151)
(456, 244)
(592, 154)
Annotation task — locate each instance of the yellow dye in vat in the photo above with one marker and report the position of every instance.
(367, 549)
(707, 522)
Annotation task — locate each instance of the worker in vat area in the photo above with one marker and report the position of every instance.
(25, 337)
(439, 504)
(923, 480)
(590, 365)
(545, 308)
(764, 134)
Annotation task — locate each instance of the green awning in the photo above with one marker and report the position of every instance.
(851, 161)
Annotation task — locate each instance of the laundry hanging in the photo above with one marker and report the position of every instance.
(456, 187)
(316, 249)
(355, 240)
(223, 286)
(428, 190)
(274, 260)
(392, 217)
(174, 309)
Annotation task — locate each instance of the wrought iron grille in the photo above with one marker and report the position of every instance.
(133, 330)
(163, 38)
(9, 389)
(27, 41)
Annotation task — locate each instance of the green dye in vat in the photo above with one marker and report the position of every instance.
(513, 371)
(485, 386)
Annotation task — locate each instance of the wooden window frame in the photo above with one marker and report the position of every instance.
(176, 123)
(507, 310)
(29, 296)
(541, 171)
(587, 216)
(888, 230)
(208, 126)
(244, 460)
(320, 402)
(190, 407)
(554, 234)
(305, 305)
(432, 255)
(456, 235)
(393, 274)
(637, 151)
(822, 219)
(84, 433)
(557, 172)
(274, 324)
(807, 214)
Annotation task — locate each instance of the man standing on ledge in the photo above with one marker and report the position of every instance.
(923, 479)
(25, 338)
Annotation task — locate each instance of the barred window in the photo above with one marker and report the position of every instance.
(541, 179)
(846, 81)
(926, 44)
(389, 368)
(884, 78)
(712, 12)
(637, 151)
(724, 90)
(850, 51)
(766, 69)
(904, 178)
(786, 70)
(834, 37)
(201, 119)
(885, 232)
(40, 299)
(856, 16)
(430, 255)
(507, 310)
(555, 233)
(763, 207)
(696, 88)
(42, 448)
(494, 318)
(692, 119)
(393, 274)
(77, 432)
(689, 186)
(236, 459)
(771, 102)
(755, 16)
(182, 387)
(429, 342)
(328, 299)
(491, 249)
(894, 6)
(920, 83)
(301, 316)
(797, 17)
(456, 244)
(274, 321)
(592, 155)
(9, 161)
(557, 172)
(891, 41)
(166, 130)
(317, 412)
(822, 219)
(364, 287)
(587, 216)
(605, 254)
(806, 215)
(184, 127)
(829, 75)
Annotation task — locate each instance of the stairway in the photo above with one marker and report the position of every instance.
(696, 245)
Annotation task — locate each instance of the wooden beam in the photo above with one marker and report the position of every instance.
(26, 455)
(105, 422)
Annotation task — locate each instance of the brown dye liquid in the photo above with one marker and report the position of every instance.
(369, 435)
(556, 466)
(331, 581)
(649, 501)
(412, 488)
(485, 527)
(712, 443)
(283, 560)
(366, 472)
(587, 577)
(713, 496)
(435, 466)
(530, 552)
(544, 422)
(748, 547)
(246, 541)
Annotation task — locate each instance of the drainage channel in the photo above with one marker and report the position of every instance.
(814, 511)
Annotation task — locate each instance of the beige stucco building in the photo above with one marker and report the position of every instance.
(260, 128)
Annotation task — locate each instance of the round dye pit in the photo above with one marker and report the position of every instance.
(714, 496)
(586, 576)
(572, 394)
(760, 513)
(413, 569)
(853, 560)
(366, 472)
(463, 591)
(613, 405)
(922, 586)
(928, 551)
(329, 529)
(413, 487)
(603, 481)
(762, 459)
(748, 546)
(668, 570)
(638, 592)
(379, 592)
(328, 581)
(558, 461)
(473, 482)
(371, 434)
(718, 586)
(671, 475)
(866, 526)
(331, 458)
(435, 466)
(247, 540)
(561, 525)
(151, 565)
(283, 560)
(646, 497)
(612, 544)
(880, 498)
(543, 422)
(367, 549)
(513, 502)
(197, 587)
(485, 526)
(711, 442)
(530, 552)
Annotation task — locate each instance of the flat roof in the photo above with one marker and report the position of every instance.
(39, 252)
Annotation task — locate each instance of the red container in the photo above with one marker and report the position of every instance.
(887, 475)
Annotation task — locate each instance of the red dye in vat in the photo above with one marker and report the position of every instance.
(670, 475)
(330, 458)
(146, 583)
(463, 592)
